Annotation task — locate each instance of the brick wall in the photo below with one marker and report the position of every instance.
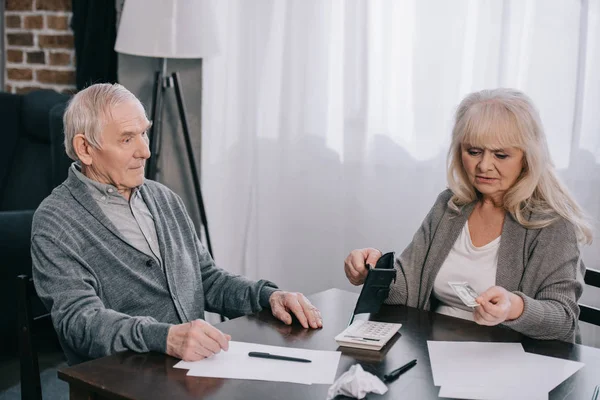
(39, 46)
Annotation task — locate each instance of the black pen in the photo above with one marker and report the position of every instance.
(277, 357)
(392, 376)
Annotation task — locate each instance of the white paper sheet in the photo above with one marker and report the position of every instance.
(546, 372)
(491, 393)
(454, 360)
(472, 370)
(235, 363)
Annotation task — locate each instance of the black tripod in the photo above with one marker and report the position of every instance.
(162, 82)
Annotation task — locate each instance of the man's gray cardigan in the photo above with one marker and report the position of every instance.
(542, 266)
(105, 296)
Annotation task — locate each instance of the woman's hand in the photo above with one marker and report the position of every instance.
(497, 305)
(355, 264)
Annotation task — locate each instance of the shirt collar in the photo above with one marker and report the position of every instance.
(102, 191)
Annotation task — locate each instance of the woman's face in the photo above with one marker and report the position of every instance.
(492, 172)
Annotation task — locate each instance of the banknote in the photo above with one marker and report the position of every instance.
(465, 292)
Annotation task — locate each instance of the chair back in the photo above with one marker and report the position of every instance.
(26, 159)
(32, 162)
(590, 314)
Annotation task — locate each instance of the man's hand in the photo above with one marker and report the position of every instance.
(355, 264)
(282, 303)
(196, 340)
(497, 305)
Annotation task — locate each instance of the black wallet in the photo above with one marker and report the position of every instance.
(377, 285)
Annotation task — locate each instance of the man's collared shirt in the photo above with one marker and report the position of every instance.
(131, 218)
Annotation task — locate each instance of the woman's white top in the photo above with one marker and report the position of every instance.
(465, 263)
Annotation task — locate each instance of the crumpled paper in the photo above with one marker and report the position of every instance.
(356, 382)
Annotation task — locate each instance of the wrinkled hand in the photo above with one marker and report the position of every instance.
(282, 303)
(497, 305)
(196, 340)
(355, 264)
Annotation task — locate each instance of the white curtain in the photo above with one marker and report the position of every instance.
(326, 122)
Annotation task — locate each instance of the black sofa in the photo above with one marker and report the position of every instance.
(32, 163)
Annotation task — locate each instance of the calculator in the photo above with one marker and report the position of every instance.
(370, 335)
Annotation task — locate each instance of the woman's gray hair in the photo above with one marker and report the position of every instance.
(88, 110)
(500, 118)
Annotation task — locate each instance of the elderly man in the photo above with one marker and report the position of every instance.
(116, 258)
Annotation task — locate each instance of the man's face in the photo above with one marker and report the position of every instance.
(121, 160)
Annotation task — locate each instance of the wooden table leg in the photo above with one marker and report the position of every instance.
(79, 393)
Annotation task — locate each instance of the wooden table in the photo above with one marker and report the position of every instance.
(152, 376)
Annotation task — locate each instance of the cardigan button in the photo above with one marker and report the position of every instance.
(150, 263)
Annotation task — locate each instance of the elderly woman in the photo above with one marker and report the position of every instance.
(506, 225)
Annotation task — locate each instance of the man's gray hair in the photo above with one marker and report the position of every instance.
(87, 111)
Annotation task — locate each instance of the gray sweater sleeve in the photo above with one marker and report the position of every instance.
(70, 292)
(225, 293)
(409, 265)
(555, 269)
